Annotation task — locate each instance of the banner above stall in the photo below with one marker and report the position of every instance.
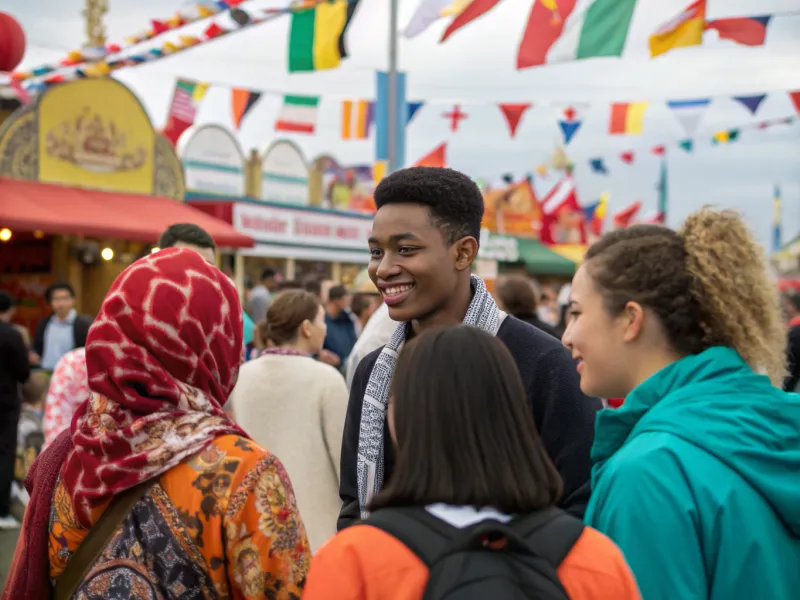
(213, 161)
(285, 174)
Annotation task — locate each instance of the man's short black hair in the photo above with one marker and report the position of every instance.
(337, 292)
(48, 293)
(188, 233)
(454, 200)
(7, 302)
(268, 274)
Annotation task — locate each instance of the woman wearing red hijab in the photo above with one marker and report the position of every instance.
(220, 517)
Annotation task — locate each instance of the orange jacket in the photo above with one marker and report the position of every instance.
(365, 563)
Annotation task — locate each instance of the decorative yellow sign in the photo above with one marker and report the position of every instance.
(95, 133)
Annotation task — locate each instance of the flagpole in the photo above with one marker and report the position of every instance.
(392, 85)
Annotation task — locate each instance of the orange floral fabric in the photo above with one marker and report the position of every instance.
(224, 521)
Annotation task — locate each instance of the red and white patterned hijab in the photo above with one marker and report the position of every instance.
(162, 357)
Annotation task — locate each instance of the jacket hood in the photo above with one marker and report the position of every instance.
(716, 402)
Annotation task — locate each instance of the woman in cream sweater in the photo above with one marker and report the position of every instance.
(295, 406)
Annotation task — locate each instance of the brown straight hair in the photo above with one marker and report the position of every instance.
(465, 432)
(286, 313)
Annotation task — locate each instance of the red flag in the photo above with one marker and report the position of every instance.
(435, 158)
(513, 114)
(795, 98)
(624, 217)
(213, 31)
(658, 150)
(627, 157)
(544, 27)
(474, 10)
(749, 31)
(159, 27)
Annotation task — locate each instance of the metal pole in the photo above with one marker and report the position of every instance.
(392, 107)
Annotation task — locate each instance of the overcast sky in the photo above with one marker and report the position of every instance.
(476, 69)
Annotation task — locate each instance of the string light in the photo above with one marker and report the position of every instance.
(5, 234)
(107, 253)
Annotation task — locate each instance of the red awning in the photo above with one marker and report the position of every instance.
(54, 209)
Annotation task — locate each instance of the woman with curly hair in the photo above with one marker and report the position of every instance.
(695, 476)
(211, 514)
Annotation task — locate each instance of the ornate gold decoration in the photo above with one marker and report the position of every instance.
(19, 146)
(95, 30)
(167, 171)
(93, 144)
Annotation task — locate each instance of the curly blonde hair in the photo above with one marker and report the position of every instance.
(708, 283)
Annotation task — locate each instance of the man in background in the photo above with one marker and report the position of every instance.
(363, 307)
(516, 295)
(63, 330)
(188, 235)
(14, 370)
(261, 295)
(341, 336)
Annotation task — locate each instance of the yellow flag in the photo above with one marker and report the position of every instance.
(199, 92)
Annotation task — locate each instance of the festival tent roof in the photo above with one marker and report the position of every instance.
(60, 210)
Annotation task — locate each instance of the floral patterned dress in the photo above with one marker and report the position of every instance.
(221, 525)
(69, 386)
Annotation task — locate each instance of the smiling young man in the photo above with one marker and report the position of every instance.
(424, 240)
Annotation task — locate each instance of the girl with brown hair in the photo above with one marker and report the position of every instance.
(295, 406)
(695, 475)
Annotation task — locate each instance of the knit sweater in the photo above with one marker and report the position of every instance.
(563, 414)
(294, 406)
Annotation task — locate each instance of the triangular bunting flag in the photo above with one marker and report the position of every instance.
(570, 119)
(658, 150)
(569, 129)
(242, 102)
(686, 145)
(213, 31)
(513, 114)
(795, 98)
(435, 158)
(689, 112)
(627, 157)
(598, 166)
(413, 107)
(724, 137)
(158, 27)
(751, 103)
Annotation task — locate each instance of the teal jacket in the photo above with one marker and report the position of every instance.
(697, 479)
(249, 328)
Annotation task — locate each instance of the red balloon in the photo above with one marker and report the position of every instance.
(12, 42)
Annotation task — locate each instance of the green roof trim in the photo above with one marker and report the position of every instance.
(540, 260)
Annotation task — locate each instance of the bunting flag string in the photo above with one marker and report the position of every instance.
(599, 165)
(359, 115)
(100, 62)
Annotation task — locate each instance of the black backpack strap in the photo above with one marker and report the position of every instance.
(550, 533)
(423, 534)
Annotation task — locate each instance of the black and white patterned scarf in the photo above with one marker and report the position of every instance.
(482, 313)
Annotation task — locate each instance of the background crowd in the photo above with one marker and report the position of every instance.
(241, 440)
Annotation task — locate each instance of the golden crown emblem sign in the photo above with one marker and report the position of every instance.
(94, 144)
